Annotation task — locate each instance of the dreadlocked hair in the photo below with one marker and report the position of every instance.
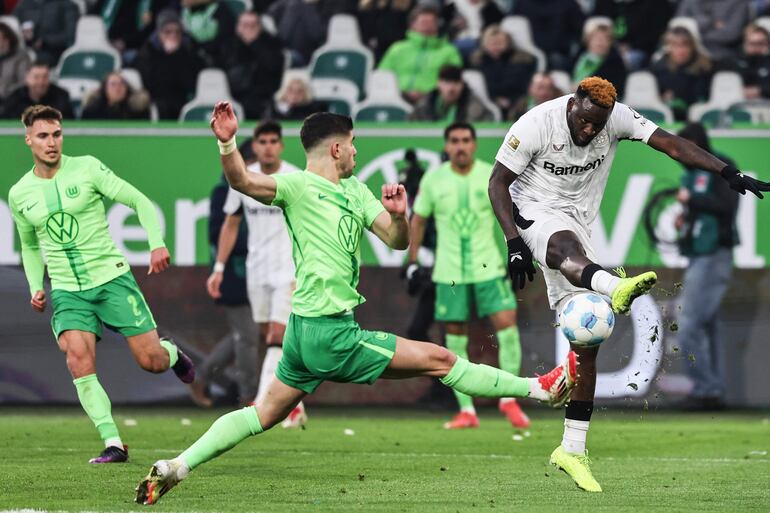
(601, 92)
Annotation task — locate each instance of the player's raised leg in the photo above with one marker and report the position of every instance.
(80, 349)
(224, 434)
(155, 354)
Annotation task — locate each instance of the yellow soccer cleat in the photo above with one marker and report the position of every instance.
(631, 288)
(577, 466)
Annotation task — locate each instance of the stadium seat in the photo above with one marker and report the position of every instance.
(340, 94)
(237, 6)
(268, 23)
(383, 100)
(562, 81)
(211, 88)
(78, 88)
(521, 33)
(475, 80)
(343, 55)
(134, 79)
(642, 95)
(91, 56)
(763, 22)
(726, 90)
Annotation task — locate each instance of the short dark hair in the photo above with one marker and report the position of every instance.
(696, 132)
(35, 112)
(451, 73)
(268, 127)
(322, 125)
(423, 9)
(459, 125)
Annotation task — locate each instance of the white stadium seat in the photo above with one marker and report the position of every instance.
(521, 33)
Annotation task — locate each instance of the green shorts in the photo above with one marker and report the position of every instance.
(119, 304)
(453, 302)
(332, 348)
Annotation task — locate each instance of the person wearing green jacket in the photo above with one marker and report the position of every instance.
(417, 59)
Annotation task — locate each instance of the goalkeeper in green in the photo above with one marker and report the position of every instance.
(59, 213)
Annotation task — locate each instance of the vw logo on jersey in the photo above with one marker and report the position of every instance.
(349, 233)
(62, 227)
(464, 221)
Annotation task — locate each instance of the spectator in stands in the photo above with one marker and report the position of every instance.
(382, 23)
(638, 24)
(417, 59)
(683, 72)
(754, 65)
(469, 19)
(48, 27)
(37, 88)
(210, 24)
(720, 23)
(14, 62)
(300, 27)
(129, 24)
(294, 102)
(601, 57)
(254, 63)
(169, 65)
(506, 69)
(541, 89)
(451, 101)
(116, 99)
(556, 28)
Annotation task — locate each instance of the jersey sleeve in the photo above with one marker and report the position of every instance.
(233, 203)
(289, 188)
(423, 203)
(31, 256)
(521, 144)
(105, 181)
(372, 206)
(630, 125)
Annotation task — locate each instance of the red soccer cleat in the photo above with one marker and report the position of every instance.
(558, 383)
(513, 413)
(463, 420)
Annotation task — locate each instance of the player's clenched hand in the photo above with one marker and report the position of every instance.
(742, 183)
(160, 260)
(520, 264)
(394, 198)
(38, 301)
(213, 285)
(223, 122)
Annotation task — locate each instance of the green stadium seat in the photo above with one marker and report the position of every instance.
(348, 63)
(91, 56)
(382, 114)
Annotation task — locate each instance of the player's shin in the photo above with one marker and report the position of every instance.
(480, 380)
(458, 344)
(97, 406)
(576, 421)
(225, 433)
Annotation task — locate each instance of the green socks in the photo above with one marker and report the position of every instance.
(509, 351)
(97, 405)
(458, 344)
(173, 355)
(484, 381)
(225, 433)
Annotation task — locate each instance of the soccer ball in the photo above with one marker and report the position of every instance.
(587, 320)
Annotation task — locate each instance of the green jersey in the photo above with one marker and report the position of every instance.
(64, 218)
(326, 223)
(468, 245)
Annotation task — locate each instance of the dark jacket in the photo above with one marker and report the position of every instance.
(300, 25)
(690, 83)
(211, 26)
(507, 76)
(383, 22)
(710, 214)
(55, 22)
(254, 71)
(233, 286)
(169, 78)
(18, 100)
(297, 113)
(638, 23)
(136, 106)
(755, 71)
(611, 68)
(555, 24)
(468, 108)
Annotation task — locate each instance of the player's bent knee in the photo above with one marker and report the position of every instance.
(80, 364)
(443, 359)
(155, 362)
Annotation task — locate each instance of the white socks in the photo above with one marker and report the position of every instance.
(468, 409)
(575, 433)
(536, 390)
(269, 364)
(604, 283)
(114, 442)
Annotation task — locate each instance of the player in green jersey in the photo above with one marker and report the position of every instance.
(326, 211)
(59, 213)
(469, 264)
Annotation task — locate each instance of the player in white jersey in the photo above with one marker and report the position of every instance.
(546, 188)
(269, 266)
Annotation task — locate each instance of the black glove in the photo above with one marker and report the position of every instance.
(520, 263)
(742, 183)
(414, 278)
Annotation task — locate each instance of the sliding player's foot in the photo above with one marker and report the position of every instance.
(514, 414)
(631, 288)
(296, 418)
(163, 476)
(578, 467)
(463, 420)
(184, 368)
(111, 454)
(558, 383)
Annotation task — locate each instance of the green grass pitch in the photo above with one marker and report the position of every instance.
(395, 461)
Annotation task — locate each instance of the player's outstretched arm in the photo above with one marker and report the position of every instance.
(224, 124)
(691, 155)
(391, 226)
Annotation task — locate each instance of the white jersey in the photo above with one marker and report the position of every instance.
(552, 170)
(269, 257)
